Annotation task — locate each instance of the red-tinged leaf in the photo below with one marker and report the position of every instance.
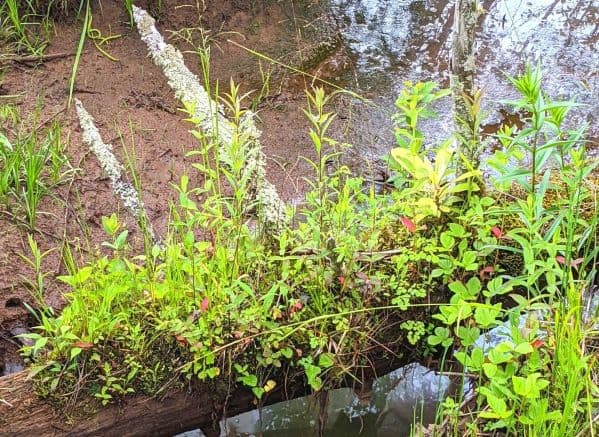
(537, 343)
(486, 272)
(295, 307)
(341, 279)
(204, 305)
(182, 340)
(560, 259)
(576, 262)
(498, 233)
(408, 224)
(83, 344)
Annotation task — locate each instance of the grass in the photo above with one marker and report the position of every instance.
(31, 163)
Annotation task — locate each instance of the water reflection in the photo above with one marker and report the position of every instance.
(399, 399)
(397, 40)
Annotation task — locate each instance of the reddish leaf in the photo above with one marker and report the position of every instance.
(498, 233)
(486, 272)
(341, 279)
(562, 260)
(576, 262)
(408, 224)
(182, 340)
(204, 304)
(83, 344)
(537, 343)
(295, 308)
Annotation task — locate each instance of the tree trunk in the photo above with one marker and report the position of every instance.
(463, 68)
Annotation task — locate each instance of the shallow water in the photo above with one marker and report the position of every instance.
(397, 40)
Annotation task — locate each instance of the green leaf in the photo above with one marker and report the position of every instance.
(473, 286)
(74, 352)
(524, 348)
(447, 241)
(326, 360)
(468, 335)
(486, 316)
(249, 380)
(417, 167)
(490, 370)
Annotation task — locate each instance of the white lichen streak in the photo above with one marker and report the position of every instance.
(111, 166)
(187, 88)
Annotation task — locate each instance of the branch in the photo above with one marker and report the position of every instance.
(188, 90)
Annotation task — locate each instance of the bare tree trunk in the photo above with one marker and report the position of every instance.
(463, 69)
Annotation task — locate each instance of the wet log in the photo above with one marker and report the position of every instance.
(23, 413)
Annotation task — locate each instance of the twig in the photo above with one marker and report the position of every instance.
(360, 256)
(36, 58)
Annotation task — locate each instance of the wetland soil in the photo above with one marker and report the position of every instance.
(136, 112)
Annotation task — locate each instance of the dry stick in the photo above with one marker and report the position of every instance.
(188, 90)
(34, 58)
(112, 167)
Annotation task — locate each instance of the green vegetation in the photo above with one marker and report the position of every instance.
(31, 163)
(223, 299)
(447, 255)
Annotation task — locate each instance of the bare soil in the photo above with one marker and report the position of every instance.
(135, 111)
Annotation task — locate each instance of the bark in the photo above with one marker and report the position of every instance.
(113, 168)
(463, 69)
(23, 413)
(188, 89)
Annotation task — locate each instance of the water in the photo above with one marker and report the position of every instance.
(397, 40)
(408, 394)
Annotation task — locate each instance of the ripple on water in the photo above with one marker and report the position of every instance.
(397, 40)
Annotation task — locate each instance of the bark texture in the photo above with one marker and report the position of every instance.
(23, 413)
(463, 70)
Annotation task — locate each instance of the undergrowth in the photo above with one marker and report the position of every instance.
(426, 264)
(31, 164)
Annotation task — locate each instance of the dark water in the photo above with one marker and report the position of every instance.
(407, 395)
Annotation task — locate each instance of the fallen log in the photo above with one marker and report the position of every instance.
(23, 413)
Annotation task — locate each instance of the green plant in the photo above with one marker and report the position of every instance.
(30, 167)
(19, 29)
(414, 104)
(538, 376)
